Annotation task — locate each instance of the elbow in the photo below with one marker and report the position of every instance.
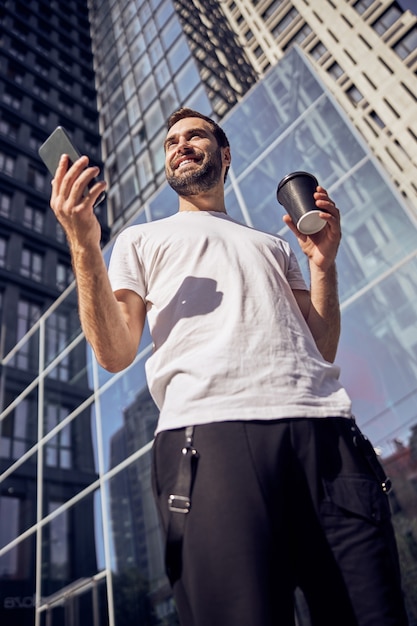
(113, 366)
(113, 362)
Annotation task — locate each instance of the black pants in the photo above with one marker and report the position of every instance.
(276, 506)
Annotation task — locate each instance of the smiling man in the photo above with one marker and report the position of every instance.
(184, 149)
(263, 481)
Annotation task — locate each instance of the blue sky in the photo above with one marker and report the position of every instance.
(408, 4)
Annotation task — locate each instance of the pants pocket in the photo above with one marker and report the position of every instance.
(356, 496)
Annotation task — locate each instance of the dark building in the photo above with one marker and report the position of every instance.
(46, 80)
(222, 62)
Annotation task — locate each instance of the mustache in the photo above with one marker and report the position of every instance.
(191, 152)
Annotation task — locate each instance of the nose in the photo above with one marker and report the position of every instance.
(183, 145)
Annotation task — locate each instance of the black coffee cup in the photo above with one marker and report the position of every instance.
(295, 193)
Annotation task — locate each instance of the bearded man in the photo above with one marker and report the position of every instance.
(263, 481)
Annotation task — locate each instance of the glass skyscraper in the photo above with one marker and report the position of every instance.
(153, 55)
(79, 534)
(286, 122)
(150, 57)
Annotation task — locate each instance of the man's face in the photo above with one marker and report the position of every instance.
(193, 159)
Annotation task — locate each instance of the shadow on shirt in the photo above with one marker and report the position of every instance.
(195, 296)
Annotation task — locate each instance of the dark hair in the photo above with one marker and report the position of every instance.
(217, 131)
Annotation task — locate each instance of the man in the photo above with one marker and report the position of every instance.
(263, 481)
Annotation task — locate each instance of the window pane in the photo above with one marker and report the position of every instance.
(383, 23)
(407, 44)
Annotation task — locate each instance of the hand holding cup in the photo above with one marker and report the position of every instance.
(296, 194)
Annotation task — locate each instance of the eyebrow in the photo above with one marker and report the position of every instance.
(188, 132)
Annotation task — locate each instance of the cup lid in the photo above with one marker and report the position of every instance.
(294, 175)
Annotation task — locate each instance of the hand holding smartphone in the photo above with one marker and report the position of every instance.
(57, 144)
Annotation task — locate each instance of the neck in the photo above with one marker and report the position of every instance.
(212, 200)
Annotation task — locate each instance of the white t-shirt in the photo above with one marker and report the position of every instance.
(230, 342)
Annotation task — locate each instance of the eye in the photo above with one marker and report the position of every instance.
(169, 143)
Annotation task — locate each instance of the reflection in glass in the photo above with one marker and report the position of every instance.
(69, 459)
(85, 601)
(126, 407)
(17, 506)
(58, 543)
(318, 143)
(287, 90)
(377, 231)
(378, 354)
(9, 528)
(263, 209)
(17, 584)
(58, 452)
(18, 498)
(26, 357)
(62, 325)
(401, 467)
(18, 426)
(68, 543)
(138, 567)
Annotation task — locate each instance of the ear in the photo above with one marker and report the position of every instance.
(227, 157)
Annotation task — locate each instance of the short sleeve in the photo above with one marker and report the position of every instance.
(126, 269)
(294, 275)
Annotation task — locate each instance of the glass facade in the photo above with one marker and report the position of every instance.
(79, 533)
(152, 56)
(144, 70)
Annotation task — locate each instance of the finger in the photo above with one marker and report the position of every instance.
(96, 191)
(287, 219)
(324, 202)
(321, 193)
(64, 177)
(72, 174)
(60, 172)
(62, 168)
(84, 194)
(74, 187)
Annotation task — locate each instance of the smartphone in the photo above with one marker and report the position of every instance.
(57, 144)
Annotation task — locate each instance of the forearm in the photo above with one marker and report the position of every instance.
(112, 325)
(101, 316)
(324, 314)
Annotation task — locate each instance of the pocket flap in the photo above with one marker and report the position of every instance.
(359, 496)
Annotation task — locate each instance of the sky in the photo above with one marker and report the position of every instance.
(408, 4)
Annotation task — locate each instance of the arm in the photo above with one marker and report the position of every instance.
(320, 307)
(112, 322)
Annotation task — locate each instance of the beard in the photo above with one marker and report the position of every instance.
(195, 181)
